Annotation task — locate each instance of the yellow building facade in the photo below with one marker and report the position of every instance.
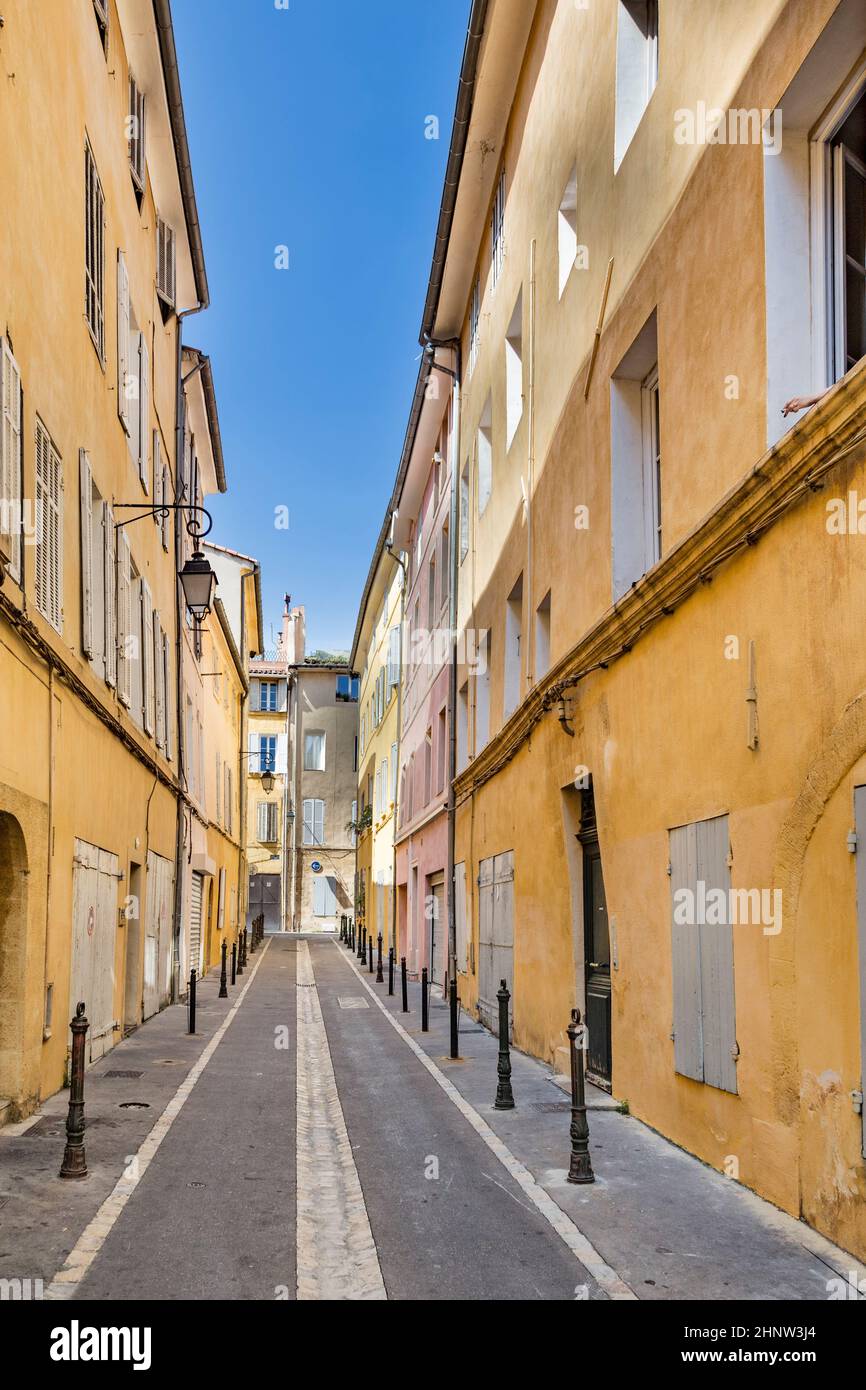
(376, 656)
(661, 747)
(100, 253)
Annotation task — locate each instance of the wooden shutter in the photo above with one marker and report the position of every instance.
(144, 409)
(158, 680)
(49, 551)
(702, 959)
(122, 340)
(164, 492)
(319, 821)
(221, 912)
(460, 916)
(109, 583)
(147, 700)
(282, 755)
(165, 261)
(157, 478)
(169, 695)
(10, 462)
(124, 620)
(86, 497)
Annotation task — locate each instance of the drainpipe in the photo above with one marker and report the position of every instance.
(453, 558)
(294, 823)
(398, 560)
(179, 424)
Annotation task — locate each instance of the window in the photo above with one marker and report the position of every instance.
(474, 321)
(165, 263)
(267, 695)
(267, 822)
(482, 694)
(393, 787)
(484, 454)
(100, 9)
(136, 137)
(431, 594)
(542, 637)
(353, 837)
(314, 752)
(513, 632)
(566, 224)
(133, 376)
(637, 68)
(347, 687)
(428, 767)
(444, 566)
(313, 832)
(514, 372)
(393, 658)
(463, 726)
(49, 514)
(325, 896)
(94, 253)
(636, 461)
(464, 512)
(10, 461)
(849, 240)
(441, 751)
(267, 753)
(497, 231)
(229, 798)
(217, 785)
(702, 953)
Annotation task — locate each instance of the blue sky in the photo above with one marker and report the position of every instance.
(307, 129)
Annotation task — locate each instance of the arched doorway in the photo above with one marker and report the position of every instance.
(13, 931)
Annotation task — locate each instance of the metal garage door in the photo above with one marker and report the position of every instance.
(195, 922)
(94, 939)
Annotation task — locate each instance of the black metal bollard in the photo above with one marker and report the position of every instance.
(372, 953)
(360, 940)
(192, 1001)
(224, 992)
(405, 985)
(504, 1094)
(244, 949)
(74, 1163)
(425, 1011)
(390, 969)
(454, 1007)
(241, 953)
(234, 962)
(380, 978)
(580, 1167)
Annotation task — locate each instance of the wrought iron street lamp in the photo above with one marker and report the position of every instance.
(197, 578)
(267, 782)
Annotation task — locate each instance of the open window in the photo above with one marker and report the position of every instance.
(814, 200)
(637, 68)
(635, 411)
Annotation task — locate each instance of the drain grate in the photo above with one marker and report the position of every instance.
(134, 1105)
(551, 1107)
(3, 1201)
(352, 1001)
(53, 1127)
(122, 1075)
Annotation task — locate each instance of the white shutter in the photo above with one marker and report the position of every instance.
(124, 621)
(10, 463)
(165, 499)
(218, 785)
(49, 551)
(460, 914)
(165, 261)
(263, 822)
(147, 700)
(222, 900)
(255, 757)
(109, 584)
(86, 497)
(158, 681)
(144, 410)
(122, 340)
(169, 695)
(157, 478)
(319, 822)
(282, 756)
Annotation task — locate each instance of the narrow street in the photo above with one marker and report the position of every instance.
(320, 1146)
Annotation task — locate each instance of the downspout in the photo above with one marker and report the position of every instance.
(530, 468)
(179, 427)
(403, 566)
(294, 823)
(453, 558)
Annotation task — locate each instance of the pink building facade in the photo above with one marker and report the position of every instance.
(422, 532)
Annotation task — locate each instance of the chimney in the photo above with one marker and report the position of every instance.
(299, 636)
(285, 635)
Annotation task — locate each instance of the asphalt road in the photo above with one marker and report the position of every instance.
(215, 1214)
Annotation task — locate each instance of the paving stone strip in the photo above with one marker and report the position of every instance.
(336, 1253)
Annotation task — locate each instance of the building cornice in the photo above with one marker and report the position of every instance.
(788, 473)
